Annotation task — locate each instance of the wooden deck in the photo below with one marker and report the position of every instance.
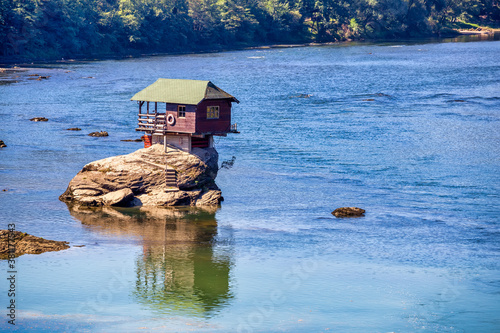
(152, 123)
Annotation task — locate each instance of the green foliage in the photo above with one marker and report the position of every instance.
(38, 29)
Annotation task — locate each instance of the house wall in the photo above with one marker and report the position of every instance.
(196, 120)
(187, 124)
(221, 125)
(180, 141)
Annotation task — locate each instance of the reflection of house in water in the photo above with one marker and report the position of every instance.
(182, 269)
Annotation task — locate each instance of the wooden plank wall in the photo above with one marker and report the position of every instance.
(180, 141)
(221, 125)
(187, 124)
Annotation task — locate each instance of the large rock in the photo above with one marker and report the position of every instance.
(120, 198)
(138, 179)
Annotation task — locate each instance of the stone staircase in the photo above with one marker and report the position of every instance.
(170, 178)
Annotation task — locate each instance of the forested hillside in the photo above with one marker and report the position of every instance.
(49, 29)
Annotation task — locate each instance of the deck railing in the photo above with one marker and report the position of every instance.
(234, 128)
(152, 122)
(157, 123)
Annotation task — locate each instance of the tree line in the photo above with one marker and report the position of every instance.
(51, 29)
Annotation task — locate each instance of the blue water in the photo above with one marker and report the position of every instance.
(409, 132)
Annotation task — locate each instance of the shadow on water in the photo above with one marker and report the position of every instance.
(182, 270)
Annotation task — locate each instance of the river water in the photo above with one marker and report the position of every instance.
(409, 132)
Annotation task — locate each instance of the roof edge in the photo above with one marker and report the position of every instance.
(206, 96)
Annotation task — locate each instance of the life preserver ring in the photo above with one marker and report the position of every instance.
(170, 119)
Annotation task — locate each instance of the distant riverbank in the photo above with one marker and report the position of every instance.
(7, 65)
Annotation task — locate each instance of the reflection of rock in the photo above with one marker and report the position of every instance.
(23, 243)
(348, 212)
(179, 269)
(143, 174)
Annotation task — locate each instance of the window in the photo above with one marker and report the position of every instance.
(212, 112)
(181, 111)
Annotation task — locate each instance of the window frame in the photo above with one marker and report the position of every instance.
(213, 112)
(181, 113)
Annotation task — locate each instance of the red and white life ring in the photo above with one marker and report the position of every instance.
(170, 119)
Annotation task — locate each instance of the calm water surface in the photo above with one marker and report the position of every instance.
(409, 132)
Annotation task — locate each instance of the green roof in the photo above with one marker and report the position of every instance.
(181, 92)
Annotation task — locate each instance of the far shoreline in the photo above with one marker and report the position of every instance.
(13, 64)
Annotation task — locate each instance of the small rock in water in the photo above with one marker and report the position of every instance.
(301, 96)
(348, 212)
(39, 119)
(133, 140)
(99, 134)
(73, 129)
(2, 144)
(368, 100)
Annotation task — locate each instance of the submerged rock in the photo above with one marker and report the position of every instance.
(74, 129)
(348, 212)
(23, 243)
(302, 96)
(99, 134)
(138, 179)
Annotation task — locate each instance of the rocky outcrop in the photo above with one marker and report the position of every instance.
(138, 179)
(348, 212)
(18, 243)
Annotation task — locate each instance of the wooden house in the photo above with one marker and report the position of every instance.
(184, 113)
